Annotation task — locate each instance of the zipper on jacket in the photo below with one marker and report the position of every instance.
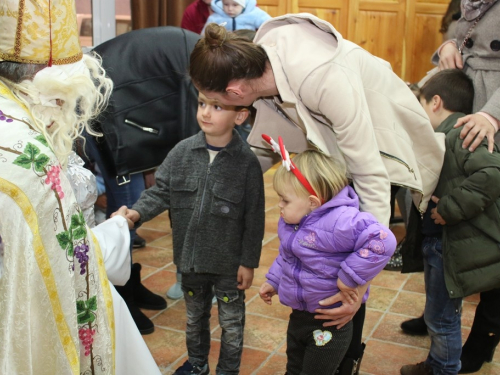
(388, 156)
(143, 128)
(191, 266)
(299, 295)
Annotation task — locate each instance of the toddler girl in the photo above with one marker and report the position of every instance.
(327, 246)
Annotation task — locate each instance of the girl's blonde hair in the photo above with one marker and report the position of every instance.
(325, 175)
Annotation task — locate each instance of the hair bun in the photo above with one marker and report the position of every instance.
(215, 35)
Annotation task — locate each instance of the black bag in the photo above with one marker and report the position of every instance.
(153, 105)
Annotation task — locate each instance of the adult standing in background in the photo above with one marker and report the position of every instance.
(195, 16)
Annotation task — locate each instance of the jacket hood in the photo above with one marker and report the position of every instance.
(217, 7)
(346, 197)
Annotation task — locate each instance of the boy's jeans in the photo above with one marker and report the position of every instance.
(198, 293)
(442, 314)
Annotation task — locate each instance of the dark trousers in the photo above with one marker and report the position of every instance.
(487, 318)
(313, 349)
(198, 293)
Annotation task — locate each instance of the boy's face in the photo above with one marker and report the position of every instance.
(293, 207)
(428, 108)
(231, 8)
(216, 119)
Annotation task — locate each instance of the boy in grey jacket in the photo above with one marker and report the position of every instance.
(212, 184)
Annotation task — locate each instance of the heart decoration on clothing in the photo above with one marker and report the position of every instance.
(322, 337)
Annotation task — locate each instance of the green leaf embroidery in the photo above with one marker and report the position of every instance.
(40, 138)
(80, 307)
(85, 317)
(31, 150)
(78, 228)
(92, 303)
(40, 162)
(23, 161)
(65, 240)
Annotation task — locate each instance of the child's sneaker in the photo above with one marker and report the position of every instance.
(203, 370)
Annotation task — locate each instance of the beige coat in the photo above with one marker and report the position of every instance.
(348, 103)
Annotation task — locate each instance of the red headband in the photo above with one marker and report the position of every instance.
(288, 163)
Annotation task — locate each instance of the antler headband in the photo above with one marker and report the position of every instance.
(287, 162)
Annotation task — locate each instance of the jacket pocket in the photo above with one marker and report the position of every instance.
(226, 201)
(183, 192)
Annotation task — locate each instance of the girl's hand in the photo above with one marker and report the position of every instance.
(266, 292)
(351, 294)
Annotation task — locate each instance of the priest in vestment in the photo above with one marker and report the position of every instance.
(59, 312)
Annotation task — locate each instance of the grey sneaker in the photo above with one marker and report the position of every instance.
(418, 369)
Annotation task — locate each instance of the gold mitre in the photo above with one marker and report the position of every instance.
(39, 32)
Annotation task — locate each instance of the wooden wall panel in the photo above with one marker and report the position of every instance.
(273, 7)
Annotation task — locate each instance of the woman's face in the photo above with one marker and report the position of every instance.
(238, 93)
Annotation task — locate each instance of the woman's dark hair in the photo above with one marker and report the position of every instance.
(451, 15)
(454, 87)
(222, 56)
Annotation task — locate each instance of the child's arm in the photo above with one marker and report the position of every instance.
(373, 247)
(254, 216)
(156, 199)
(479, 189)
(245, 277)
(266, 292)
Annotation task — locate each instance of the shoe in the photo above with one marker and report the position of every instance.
(143, 323)
(143, 297)
(350, 366)
(185, 369)
(203, 370)
(138, 242)
(396, 261)
(418, 369)
(478, 348)
(415, 326)
(175, 291)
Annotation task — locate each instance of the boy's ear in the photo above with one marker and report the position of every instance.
(241, 116)
(437, 103)
(314, 202)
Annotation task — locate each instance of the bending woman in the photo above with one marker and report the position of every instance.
(316, 89)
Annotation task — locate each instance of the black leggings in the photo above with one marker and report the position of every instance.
(313, 349)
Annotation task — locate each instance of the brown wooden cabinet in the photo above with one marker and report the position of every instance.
(403, 32)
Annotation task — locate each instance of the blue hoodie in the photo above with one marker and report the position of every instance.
(250, 18)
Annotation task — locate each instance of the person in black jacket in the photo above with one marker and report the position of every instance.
(152, 107)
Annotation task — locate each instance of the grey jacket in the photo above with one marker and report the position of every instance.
(217, 210)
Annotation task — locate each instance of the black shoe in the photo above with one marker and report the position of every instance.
(143, 297)
(143, 323)
(138, 242)
(418, 369)
(478, 348)
(415, 326)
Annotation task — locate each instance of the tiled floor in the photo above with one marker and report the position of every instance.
(394, 297)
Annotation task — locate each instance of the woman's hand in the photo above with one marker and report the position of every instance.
(340, 316)
(449, 57)
(476, 127)
(266, 292)
(351, 294)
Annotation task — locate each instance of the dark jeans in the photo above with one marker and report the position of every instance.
(313, 349)
(442, 314)
(198, 293)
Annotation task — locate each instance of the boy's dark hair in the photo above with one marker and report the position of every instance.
(454, 87)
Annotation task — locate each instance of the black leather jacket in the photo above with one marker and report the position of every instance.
(153, 105)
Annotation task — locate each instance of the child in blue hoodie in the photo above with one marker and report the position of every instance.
(237, 14)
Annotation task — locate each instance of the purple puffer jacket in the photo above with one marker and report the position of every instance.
(335, 241)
